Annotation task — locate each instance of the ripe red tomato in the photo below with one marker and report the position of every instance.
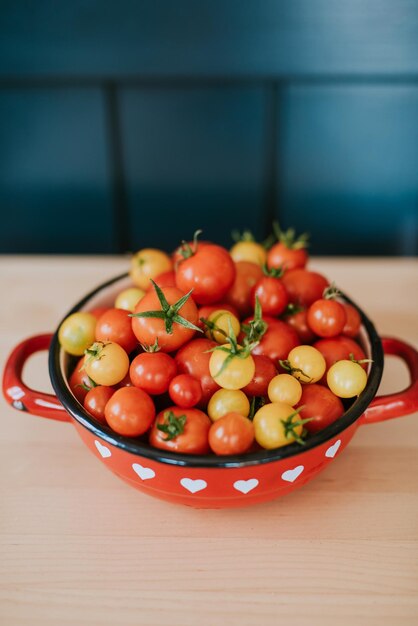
(148, 329)
(247, 275)
(289, 258)
(193, 359)
(98, 311)
(153, 372)
(130, 412)
(96, 400)
(194, 246)
(231, 434)
(303, 286)
(181, 430)
(338, 349)
(210, 272)
(271, 294)
(116, 325)
(326, 318)
(79, 381)
(265, 370)
(320, 405)
(299, 322)
(166, 279)
(278, 340)
(353, 321)
(185, 391)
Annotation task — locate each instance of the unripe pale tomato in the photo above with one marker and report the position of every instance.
(130, 412)
(181, 430)
(129, 298)
(346, 379)
(249, 251)
(226, 401)
(218, 325)
(231, 434)
(276, 425)
(76, 333)
(106, 363)
(306, 364)
(285, 388)
(236, 373)
(148, 263)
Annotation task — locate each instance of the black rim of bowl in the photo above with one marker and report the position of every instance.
(136, 447)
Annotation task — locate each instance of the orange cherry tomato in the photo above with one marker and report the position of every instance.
(231, 434)
(130, 411)
(181, 430)
(116, 325)
(96, 400)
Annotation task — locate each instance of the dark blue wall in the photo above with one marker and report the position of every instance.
(125, 124)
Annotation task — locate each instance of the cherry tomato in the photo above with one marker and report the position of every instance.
(98, 311)
(185, 391)
(185, 249)
(247, 275)
(226, 401)
(106, 363)
(320, 406)
(181, 430)
(76, 333)
(265, 370)
(272, 295)
(306, 364)
(231, 434)
(193, 359)
(210, 272)
(130, 412)
(96, 400)
(148, 329)
(79, 381)
(299, 322)
(217, 327)
(337, 349)
(236, 373)
(303, 286)
(129, 298)
(153, 372)
(166, 279)
(205, 311)
(278, 340)
(288, 258)
(353, 321)
(326, 318)
(276, 425)
(346, 379)
(116, 325)
(285, 388)
(250, 251)
(149, 263)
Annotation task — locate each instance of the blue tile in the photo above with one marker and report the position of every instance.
(54, 187)
(194, 158)
(349, 167)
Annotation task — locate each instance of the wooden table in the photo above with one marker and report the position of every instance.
(78, 546)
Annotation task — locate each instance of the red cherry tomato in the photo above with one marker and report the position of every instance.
(178, 254)
(116, 325)
(247, 275)
(265, 370)
(98, 311)
(288, 258)
(271, 294)
(166, 279)
(79, 382)
(193, 359)
(326, 318)
(185, 391)
(353, 321)
(278, 340)
(130, 412)
(299, 322)
(148, 329)
(320, 405)
(338, 349)
(153, 372)
(231, 434)
(181, 430)
(303, 286)
(210, 272)
(96, 400)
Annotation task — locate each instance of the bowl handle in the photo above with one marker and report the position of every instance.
(21, 397)
(396, 404)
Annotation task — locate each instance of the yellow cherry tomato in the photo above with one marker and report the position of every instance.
(249, 251)
(346, 379)
(226, 401)
(285, 388)
(129, 298)
(106, 363)
(306, 364)
(77, 333)
(221, 320)
(149, 263)
(276, 425)
(236, 373)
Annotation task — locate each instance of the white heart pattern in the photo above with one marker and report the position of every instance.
(16, 393)
(245, 486)
(193, 485)
(103, 451)
(144, 473)
(291, 475)
(332, 450)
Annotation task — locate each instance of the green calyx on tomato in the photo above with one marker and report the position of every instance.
(359, 361)
(274, 272)
(255, 330)
(173, 425)
(246, 235)
(212, 326)
(286, 365)
(292, 309)
(94, 352)
(290, 426)
(155, 347)
(169, 313)
(234, 350)
(331, 292)
(85, 386)
(289, 239)
(187, 250)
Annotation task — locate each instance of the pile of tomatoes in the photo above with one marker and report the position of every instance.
(219, 351)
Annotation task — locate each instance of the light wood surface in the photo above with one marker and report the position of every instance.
(78, 546)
